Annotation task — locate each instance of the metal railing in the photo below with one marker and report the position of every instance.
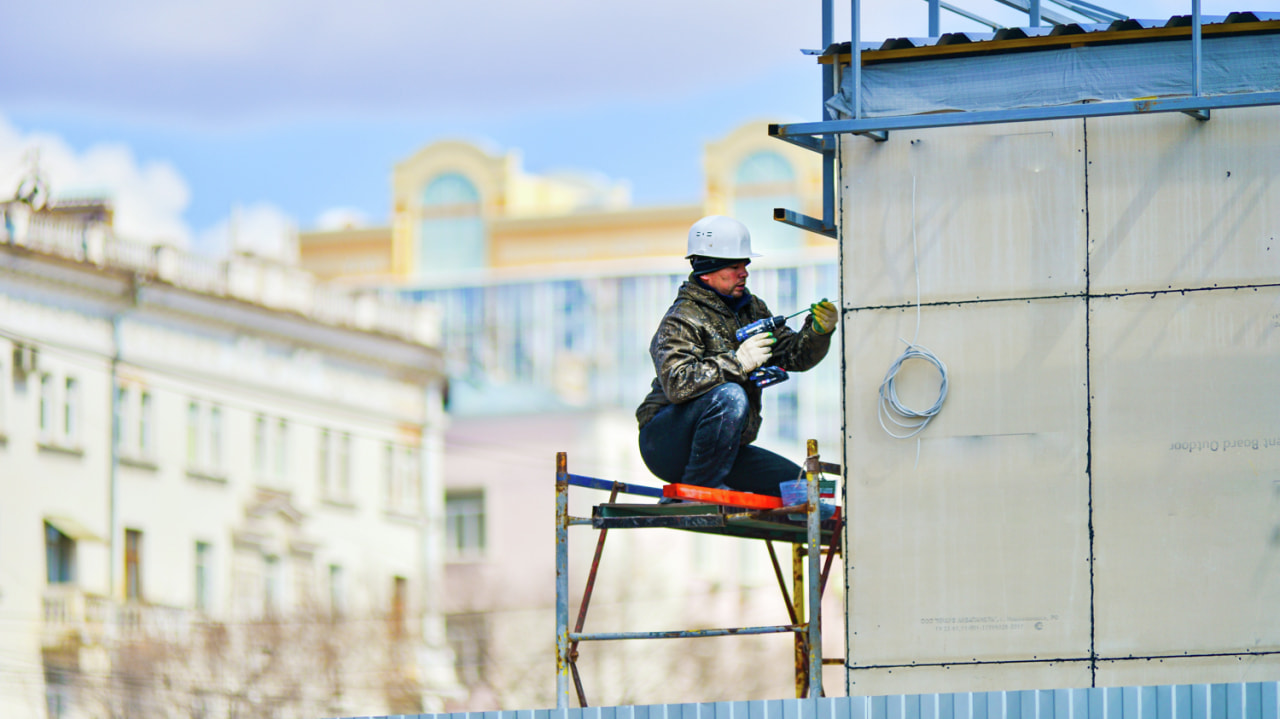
(822, 136)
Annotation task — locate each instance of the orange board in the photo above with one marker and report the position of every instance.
(721, 496)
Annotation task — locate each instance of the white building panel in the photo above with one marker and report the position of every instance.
(937, 188)
(1175, 203)
(1186, 471)
(994, 488)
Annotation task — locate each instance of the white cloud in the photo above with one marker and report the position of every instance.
(260, 229)
(341, 218)
(148, 198)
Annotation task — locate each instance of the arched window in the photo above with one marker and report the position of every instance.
(762, 169)
(763, 181)
(450, 234)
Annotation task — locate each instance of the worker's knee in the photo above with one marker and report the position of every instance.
(729, 400)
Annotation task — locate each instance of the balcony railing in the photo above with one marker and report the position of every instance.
(73, 616)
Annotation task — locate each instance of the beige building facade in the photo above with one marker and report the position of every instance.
(222, 486)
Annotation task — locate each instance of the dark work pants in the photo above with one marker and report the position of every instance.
(698, 443)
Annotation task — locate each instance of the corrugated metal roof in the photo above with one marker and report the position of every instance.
(1026, 38)
(1255, 700)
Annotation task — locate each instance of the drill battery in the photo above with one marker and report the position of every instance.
(766, 376)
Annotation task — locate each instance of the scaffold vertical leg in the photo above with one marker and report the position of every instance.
(586, 602)
(813, 471)
(562, 581)
(798, 617)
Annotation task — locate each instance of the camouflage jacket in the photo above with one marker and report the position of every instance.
(693, 351)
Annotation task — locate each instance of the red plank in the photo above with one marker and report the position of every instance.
(721, 496)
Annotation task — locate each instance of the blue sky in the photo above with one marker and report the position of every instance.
(286, 112)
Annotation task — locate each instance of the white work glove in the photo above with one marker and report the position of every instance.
(755, 351)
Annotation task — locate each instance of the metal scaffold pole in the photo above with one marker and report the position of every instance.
(813, 520)
(562, 581)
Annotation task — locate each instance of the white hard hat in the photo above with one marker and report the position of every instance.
(719, 236)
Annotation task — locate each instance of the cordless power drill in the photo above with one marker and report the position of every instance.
(771, 375)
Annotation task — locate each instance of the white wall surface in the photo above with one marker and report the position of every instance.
(1089, 503)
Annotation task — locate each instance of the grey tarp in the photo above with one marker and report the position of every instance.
(1242, 63)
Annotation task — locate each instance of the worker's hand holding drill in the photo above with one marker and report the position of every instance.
(755, 351)
(757, 341)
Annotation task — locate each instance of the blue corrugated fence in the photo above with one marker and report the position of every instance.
(1257, 700)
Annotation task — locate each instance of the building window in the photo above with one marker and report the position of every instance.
(337, 592)
(399, 605)
(46, 408)
(322, 464)
(146, 423)
(389, 474)
(464, 524)
(119, 416)
(343, 469)
(788, 295)
(260, 445)
(282, 450)
(57, 693)
(403, 477)
(60, 556)
(468, 637)
(204, 575)
(574, 314)
(215, 438)
(71, 412)
(335, 464)
(133, 564)
(451, 234)
(193, 434)
(763, 181)
(134, 422)
(271, 585)
(409, 481)
(204, 438)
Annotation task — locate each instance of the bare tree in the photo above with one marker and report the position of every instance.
(305, 664)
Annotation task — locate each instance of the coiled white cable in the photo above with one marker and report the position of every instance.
(893, 408)
(890, 405)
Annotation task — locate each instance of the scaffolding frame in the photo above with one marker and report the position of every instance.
(822, 136)
(738, 514)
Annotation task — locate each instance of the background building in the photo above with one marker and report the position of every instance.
(222, 485)
(550, 288)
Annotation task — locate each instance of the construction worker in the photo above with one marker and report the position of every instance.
(699, 420)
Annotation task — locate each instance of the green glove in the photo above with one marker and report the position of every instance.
(825, 317)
